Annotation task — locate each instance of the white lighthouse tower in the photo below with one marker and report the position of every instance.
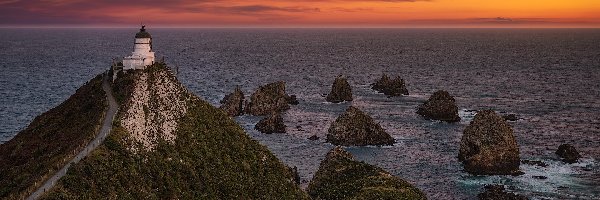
(142, 54)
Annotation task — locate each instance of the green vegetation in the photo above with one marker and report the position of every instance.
(123, 86)
(341, 177)
(211, 158)
(51, 140)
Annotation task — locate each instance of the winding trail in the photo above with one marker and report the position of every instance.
(106, 127)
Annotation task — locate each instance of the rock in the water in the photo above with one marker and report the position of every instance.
(340, 176)
(389, 87)
(568, 153)
(292, 100)
(510, 117)
(355, 128)
(440, 106)
(271, 124)
(232, 103)
(340, 91)
(488, 146)
(534, 162)
(313, 137)
(496, 192)
(269, 98)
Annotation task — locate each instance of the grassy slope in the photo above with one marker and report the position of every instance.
(212, 158)
(344, 178)
(50, 140)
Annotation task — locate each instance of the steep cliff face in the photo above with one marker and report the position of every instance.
(152, 110)
(51, 140)
(177, 147)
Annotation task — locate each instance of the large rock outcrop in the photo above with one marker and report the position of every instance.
(340, 176)
(268, 99)
(210, 158)
(568, 153)
(155, 104)
(271, 124)
(497, 192)
(232, 103)
(389, 87)
(355, 128)
(488, 146)
(340, 91)
(440, 106)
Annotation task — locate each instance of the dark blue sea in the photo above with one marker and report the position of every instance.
(549, 78)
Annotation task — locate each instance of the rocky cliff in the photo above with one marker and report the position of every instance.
(152, 108)
(167, 143)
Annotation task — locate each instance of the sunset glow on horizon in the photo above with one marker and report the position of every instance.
(307, 13)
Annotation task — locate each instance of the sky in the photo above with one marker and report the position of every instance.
(302, 13)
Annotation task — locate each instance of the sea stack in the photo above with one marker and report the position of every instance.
(488, 146)
(271, 124)
(389, 87)
(440, 106)
(268, 99)
(355, 128)
(568, 153)
(340, 91)
(340, 176)
(232, 103)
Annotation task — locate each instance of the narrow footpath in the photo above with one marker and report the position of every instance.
(104, 131)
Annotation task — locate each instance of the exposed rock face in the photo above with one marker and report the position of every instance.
(389, 87)
(355, 128)
(496, 192)
(153, 110)
(340, 91)
(341, 177)
(568, 153)
(271, 124)
(440, 106)
(488, 146)
(232, 103)
(269, 98)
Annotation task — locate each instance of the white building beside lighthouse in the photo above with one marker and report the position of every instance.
(142, 54)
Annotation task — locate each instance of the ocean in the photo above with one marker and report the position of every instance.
(549, 78)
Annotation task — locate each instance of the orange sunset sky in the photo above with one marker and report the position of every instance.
(302, 13)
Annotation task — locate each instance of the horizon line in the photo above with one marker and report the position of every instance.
(299, 27)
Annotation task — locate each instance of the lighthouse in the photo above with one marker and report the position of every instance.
(142, 54)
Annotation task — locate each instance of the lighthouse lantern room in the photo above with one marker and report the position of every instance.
(142, 54)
